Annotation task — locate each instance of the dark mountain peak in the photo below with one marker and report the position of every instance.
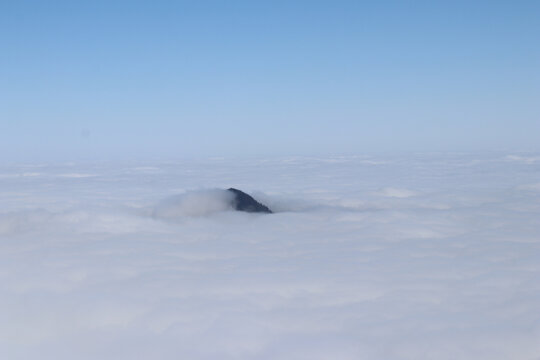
(244, 202)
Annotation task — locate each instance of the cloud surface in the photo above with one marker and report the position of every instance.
(420, 257)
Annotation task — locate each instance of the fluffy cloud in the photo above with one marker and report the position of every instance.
(441, 263)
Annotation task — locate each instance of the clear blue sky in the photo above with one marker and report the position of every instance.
(109, 79)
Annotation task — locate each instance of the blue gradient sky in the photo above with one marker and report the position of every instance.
(113, 79)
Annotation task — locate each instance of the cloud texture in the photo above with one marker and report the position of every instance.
(425, 257)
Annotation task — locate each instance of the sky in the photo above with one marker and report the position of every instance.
(174, 79)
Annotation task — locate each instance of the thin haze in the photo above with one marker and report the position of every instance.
(109, 79)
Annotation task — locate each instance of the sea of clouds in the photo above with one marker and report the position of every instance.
(426, 256)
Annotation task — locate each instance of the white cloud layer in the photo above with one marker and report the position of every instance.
(425, 257)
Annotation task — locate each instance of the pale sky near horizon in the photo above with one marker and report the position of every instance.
(137, 79)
